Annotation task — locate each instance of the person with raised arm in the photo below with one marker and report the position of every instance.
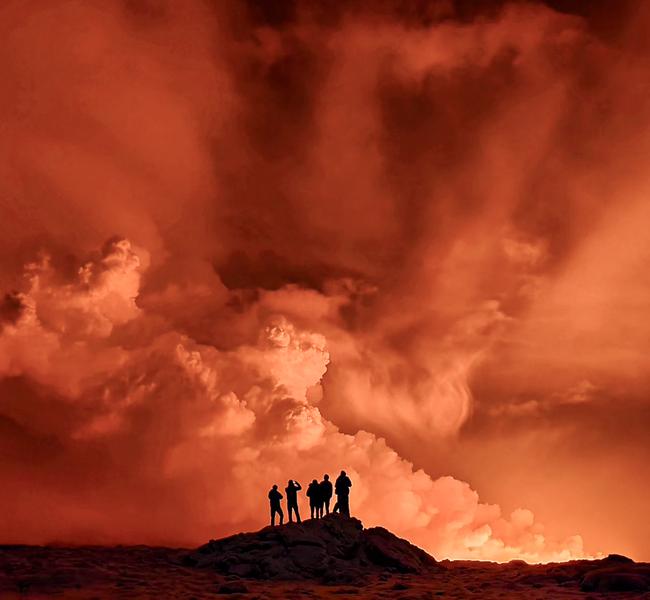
(292, 489)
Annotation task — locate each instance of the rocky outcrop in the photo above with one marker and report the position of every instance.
(617, 573)
(334, 549)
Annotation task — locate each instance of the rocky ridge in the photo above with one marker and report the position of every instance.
(332, 549)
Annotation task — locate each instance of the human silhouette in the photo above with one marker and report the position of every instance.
(274, 498)
(292, 489)
(325, 495)
(313, 492)
(342, 489)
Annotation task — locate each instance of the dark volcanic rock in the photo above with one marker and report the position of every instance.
(392, 553)
(616, 573)
(626, 577)
(232, 588)
(334, 550)
(618, 558)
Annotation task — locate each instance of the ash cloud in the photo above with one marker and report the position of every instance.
(182, 422)
(346, 231)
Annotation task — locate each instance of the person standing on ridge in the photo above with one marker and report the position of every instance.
(274, 498)
(342, 489)
(313, 493)
(292, 489)
(325, 495)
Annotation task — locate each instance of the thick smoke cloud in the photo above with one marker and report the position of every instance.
(408, 242)
(201, 429)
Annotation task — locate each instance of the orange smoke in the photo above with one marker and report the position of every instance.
(407, 243)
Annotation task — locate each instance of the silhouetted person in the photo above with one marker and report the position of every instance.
(313, 492)
(325, 495)
(342, 489)
(292, 499)
(274, 498)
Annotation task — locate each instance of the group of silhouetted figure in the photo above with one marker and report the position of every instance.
(319, 495)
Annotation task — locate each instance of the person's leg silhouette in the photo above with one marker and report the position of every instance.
(344, 505)
(277, 511)
(293, 508)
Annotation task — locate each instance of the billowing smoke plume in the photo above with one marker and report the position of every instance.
(199, 431)
(404, 239)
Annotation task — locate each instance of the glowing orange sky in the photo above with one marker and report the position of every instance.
(244, 241)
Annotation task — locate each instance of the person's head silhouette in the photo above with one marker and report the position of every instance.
(275, 487)
(342, 473)
(315, 481)
(326, 477)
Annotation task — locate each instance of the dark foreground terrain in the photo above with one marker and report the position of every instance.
(332, 558)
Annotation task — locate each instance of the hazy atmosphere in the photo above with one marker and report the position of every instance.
(244, 241)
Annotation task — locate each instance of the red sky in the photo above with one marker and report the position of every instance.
(249, 241)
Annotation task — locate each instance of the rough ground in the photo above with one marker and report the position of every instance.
(288, 562)
(329, 550)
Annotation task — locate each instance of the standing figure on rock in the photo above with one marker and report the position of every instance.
(325, 495)
(342, 489)
(313, 492)
(274, 498)
(292, 489)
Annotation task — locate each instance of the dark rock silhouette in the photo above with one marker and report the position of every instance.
(233, 587)
(617, 573)
(353, 564)
(333, 549)
(618, 558)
